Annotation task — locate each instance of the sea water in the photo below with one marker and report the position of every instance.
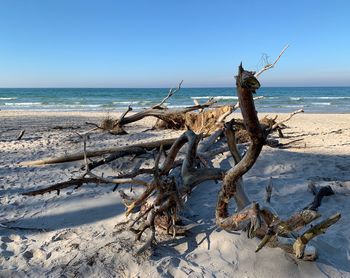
(276, 99)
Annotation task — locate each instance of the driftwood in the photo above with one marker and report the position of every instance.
(172, 118)
(204, 117)
(269, 66)
(206, 121)
(139, 148)
(203, 121)
(174, 176)
(20, 135)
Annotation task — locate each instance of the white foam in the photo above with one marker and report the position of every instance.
(299, 106)
(226, 97)
(126, 102)
(176, 106)
(343, 97)
(203, 97)
(7, 98)
(215, 97)
(22, 103)
(321, 103)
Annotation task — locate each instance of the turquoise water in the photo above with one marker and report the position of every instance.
(284, 99)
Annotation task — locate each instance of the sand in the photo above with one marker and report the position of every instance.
(78, 233)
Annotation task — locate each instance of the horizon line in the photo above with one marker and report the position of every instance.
(189, 87)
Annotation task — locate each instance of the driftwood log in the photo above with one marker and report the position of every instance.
(138, 149)
(204, 117)
(188, 163)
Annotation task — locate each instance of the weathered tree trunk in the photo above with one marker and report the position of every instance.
(232, 185)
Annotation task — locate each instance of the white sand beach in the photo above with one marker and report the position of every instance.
(76, 233)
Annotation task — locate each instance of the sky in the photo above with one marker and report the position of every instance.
(157, 43)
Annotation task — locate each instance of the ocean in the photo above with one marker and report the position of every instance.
(276, 99)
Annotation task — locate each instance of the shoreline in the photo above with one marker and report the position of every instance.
(276, 99)
(98, 112)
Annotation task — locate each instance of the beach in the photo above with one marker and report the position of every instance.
(78, 233)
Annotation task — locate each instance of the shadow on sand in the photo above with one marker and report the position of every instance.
(291, 173)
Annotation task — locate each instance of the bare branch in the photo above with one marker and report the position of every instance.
(84, 179)
(269, 66)
(94, 124)
(300, 243)
(170, 94)
(77, 182)
(287, 119)
(117, 181)
(122, 116)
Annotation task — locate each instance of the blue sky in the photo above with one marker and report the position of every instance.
(149, 43)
